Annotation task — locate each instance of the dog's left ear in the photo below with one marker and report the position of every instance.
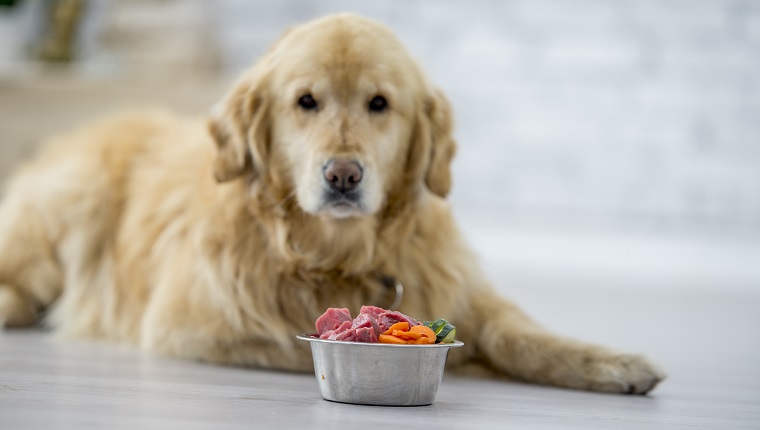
(438, 177)
(440, 144)
(238, 129)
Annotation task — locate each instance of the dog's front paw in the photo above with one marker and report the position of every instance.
(622, 373)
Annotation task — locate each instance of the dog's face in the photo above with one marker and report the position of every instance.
(340, 116)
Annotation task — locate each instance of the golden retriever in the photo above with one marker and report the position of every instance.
(319, 181)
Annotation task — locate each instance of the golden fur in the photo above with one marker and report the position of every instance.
(209, 241)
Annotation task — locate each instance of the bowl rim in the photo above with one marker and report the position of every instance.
(310, 337)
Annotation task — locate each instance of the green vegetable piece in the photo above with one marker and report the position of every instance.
(449, 338)
(444, 331)
(436, 325)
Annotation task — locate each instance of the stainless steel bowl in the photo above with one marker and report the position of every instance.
(377, 373)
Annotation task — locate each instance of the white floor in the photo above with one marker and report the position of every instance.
(707, 342)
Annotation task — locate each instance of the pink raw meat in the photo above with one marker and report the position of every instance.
(336, 324)
(332, 319)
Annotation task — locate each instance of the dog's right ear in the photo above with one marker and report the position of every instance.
(238, 129)
(239, 124)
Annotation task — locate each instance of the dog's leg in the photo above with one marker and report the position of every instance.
(513, 344)
(209, 342)
(194, 326)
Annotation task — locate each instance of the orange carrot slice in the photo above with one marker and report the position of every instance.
(400, 333)
(424, 331)
(407, 335)
(387, 338)
(403, 326)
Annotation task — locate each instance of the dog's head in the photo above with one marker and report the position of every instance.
(339, 114)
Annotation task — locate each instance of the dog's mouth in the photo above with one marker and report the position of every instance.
(342, 204)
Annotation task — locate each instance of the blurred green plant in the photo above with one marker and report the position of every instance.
(9, 3)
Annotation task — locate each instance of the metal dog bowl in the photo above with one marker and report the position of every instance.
(378, 373)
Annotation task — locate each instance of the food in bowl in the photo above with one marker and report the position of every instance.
(374, 324)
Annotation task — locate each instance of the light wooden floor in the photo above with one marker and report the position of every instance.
(714, 382)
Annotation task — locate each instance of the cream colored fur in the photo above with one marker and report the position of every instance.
(209, 240)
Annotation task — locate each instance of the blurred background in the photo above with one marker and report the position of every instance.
(603, 144)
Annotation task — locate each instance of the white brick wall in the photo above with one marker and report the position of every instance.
(643, 112)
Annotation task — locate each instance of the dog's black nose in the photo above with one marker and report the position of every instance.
(343, 175)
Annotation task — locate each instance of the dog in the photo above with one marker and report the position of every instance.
(319, 181)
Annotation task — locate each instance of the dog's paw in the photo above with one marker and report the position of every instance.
(14, 310)
(623, 374)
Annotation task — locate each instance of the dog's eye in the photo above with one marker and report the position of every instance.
(378, 104)
(307, 102)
